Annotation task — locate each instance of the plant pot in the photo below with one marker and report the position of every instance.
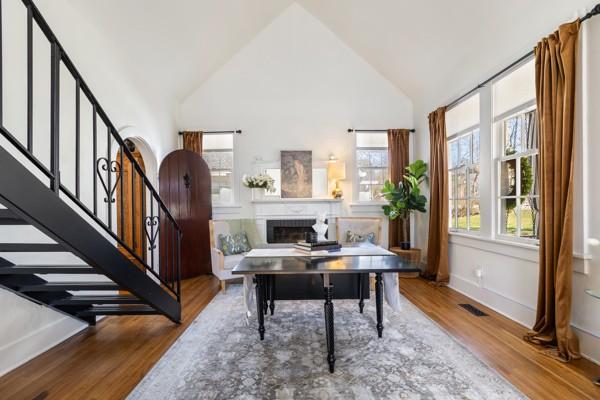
(405, 245)
(258, 193)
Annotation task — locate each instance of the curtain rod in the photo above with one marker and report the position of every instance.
(595, 11)
(350, 130)
(238, 131)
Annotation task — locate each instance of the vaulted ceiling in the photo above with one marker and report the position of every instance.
(172, 47)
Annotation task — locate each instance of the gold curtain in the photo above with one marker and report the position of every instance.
(555, 72)
(437, 250)
(192, 140)
(398, 159)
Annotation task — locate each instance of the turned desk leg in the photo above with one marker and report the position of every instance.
(361, 301)
(379, 302)
(259, 305)
(329, 327)
(272, 293)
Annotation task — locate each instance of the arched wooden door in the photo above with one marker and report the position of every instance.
(131, 211)
(184, 182)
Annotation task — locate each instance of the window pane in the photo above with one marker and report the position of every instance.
(377, 158)
(464, 157)
(221, 186)
(475, 216)
(371, 140)
(452, 180)
(530, 217)
(474, 181)
(508, 175)
(529, 175)
(364, 185)
(508, 217)
(219, 160)
(476, 147)
(362, 158)
(461, 212)
(452, 214)
(519, 133)
(453, 153)
(461, 188)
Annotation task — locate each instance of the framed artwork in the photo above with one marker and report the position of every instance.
(296, 174)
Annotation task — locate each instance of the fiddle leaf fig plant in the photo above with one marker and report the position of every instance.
(406, 197)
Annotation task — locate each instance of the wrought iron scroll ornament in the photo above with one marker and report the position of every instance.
(102, 164)
(187, 180)
(152, 222)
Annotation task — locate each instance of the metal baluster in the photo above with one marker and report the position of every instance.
(29, 79)
(95, 156)
(109, 179)
(143, 217)
(133, 203)
(178, 265)
(122, 216)
(174, 246)
(77, 138)
(54, 117)
(1, 70)
(152, 232)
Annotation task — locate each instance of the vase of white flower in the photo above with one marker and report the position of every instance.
(259, 184)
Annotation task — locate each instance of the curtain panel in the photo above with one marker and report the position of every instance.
(555, 70)
(437, 248)
(192, 141)
(398, 160)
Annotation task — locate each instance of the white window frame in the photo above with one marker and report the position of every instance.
(456, 137)
(500, 157)
(232, 150)
(357, 175)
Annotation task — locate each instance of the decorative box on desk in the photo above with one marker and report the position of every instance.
(412, 255)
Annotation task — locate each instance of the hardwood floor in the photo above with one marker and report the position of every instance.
(497, 341)
(107, 362)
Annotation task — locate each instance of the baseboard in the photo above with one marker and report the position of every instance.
(17, 353)
(589, 343)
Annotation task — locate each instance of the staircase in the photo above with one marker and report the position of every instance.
(87, 218)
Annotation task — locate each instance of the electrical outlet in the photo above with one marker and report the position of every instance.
(478, 272)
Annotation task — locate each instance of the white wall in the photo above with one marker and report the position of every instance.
(295, 86)
(27, 329)
(510, 273)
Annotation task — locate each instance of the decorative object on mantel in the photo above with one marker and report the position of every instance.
(321, 227)
(296, 174)
(336, 171)
(406, 197)
(259, 183)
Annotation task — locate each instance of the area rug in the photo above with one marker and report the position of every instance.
(221, 357)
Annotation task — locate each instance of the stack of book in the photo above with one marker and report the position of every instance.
(309, 248)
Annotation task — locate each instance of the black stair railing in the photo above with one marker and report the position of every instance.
(107, 173)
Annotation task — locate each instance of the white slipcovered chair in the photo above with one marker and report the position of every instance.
(357, 225)
(222, 264)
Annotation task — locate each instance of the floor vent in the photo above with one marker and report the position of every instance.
(473, 310)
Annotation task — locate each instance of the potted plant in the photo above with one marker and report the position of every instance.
(258, 183)
(406, 197)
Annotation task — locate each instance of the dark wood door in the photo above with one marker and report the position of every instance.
(184, 185)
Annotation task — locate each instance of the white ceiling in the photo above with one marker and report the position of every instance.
(172, 47)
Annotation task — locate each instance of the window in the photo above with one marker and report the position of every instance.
(371, 164)
(217, 151)
(462, 124)
(463, 176)
(518, 176)
(517, 160)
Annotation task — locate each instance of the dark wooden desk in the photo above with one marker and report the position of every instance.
(295, 278)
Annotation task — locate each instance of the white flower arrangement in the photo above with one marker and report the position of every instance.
(260, 181)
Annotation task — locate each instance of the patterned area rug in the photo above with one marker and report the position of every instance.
(220, 357)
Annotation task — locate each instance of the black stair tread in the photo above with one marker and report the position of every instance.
(47, 269)
(62, 286)
(7, 217)
(30, 247)
(118, 310)
(96, 299)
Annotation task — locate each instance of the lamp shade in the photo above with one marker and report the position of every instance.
(336, 170)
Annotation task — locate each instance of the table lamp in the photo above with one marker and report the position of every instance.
(336, 171)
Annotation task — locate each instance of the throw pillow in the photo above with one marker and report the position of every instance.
(353, 237)
(236, 243)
